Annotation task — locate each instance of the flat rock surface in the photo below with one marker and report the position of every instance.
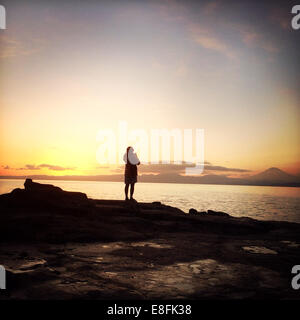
(79, 248)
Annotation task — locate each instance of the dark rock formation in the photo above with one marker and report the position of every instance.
(43, 195)
(217, 213)
(34, 186)
(193, 211)
(52, 241)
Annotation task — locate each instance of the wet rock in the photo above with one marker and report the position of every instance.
(259, 250)
(112, 249)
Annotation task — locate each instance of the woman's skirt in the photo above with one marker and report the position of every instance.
(130, 179)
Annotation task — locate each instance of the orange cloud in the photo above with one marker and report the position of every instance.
(210, 41)
(39, 167)
(254, 39)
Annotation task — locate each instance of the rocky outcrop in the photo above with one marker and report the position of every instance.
(193, 211)
(55, 241)
(37, 187)
(37, 195)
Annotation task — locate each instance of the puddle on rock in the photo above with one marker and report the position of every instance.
(202, 278)
(151, 245)
(291, 244)
(99, 259)
(32, 264)
(112, 245)
(110, 274)
(260, 250)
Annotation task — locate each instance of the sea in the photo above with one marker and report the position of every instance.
(258, 202)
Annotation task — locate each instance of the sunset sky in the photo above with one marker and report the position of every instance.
(72, 68)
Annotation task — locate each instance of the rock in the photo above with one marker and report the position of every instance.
(193, 211)
(218, 213)
(156, 203)
(36, 195)
(132, 205)
(23, 255)
(22, 279)
(59, 248)
(34, 186)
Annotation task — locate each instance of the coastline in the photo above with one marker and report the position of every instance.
(63, 245)
(119, 178)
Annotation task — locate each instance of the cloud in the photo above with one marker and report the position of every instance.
(53, 167)
(179, 169)
(209, 40)
(172, 10)
(48, 166)
(282, 18)
(11, 47)
(254, 39)
(163, 168)
(249, 37)
(6, 167)
(214, 37)
(211, 7)
(117, 170)
(102, 167)
(224, 169)
(179, 12)
(29, 167)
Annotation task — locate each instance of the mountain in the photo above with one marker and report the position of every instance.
(274, 176)
(269, 177)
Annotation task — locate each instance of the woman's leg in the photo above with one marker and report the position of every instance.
(131, 190)
(126, 190)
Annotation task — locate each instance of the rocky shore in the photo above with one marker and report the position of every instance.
(56, 244)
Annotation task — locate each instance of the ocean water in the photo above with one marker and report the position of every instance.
(264, 203)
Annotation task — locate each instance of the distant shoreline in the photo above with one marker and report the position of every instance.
(118, 178)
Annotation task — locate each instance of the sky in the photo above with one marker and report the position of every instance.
(72, 68)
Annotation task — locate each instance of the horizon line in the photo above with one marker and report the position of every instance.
(119, 178)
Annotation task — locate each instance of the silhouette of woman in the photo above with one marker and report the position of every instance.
(131, 160)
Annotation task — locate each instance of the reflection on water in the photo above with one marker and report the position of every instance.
(268, 203)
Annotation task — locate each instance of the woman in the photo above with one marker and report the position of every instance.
(131, 160)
